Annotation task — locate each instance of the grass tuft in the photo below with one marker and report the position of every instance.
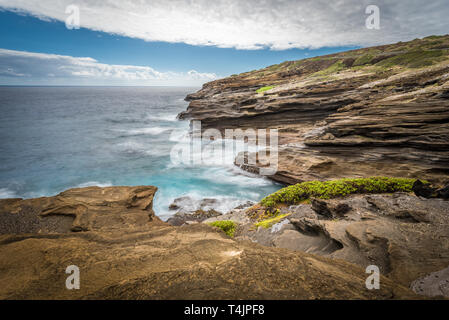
(268, 223)
(336, 67)
(227, 226)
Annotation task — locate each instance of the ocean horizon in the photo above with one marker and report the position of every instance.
(56, 138)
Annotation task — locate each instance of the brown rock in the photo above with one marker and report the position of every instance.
(124, 252)
(405, 236)
(378, 120)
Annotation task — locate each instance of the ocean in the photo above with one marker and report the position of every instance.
(56, 138)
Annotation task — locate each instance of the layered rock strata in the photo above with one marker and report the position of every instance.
(379, 111)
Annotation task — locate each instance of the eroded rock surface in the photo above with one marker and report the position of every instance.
(407, 237)
(378, 111)
(124, 252)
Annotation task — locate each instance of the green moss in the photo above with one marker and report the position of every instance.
(227, 226)
(268, 223)
(263, 89)
(300, 192)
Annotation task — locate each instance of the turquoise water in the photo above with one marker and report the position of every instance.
(55, 138)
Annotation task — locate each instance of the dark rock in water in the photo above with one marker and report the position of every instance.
(207, 202)
(182, 218)
(187, 204)
(423, 190)
(176, 221)
(177, 203)
(245, 205)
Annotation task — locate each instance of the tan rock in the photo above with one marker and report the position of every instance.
(364, 120)
(124, 252)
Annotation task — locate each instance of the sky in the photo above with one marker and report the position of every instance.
(187, 42)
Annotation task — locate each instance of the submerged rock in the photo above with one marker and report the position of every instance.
(181, 218)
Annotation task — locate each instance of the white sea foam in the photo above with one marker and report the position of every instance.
(193, 201)
(94, 184)
(144, 131)
(234, 176)
(132, 147)
(192, 152)
(163, 117)
(179, 135)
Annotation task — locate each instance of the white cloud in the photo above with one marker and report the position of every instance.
(39, 68)
(251, 24)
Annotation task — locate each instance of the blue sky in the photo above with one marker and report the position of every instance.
(26, 33)
(184, 42)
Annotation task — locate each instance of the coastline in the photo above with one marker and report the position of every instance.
(363, 151)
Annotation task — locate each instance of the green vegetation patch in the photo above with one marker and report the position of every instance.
(263, 89)
(337, 66)
(414, 59)
(227, 226)
(268, 223)
(300, 192)
(364, 59)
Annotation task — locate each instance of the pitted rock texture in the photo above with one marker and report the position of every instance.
(124, 251)
(406, 236)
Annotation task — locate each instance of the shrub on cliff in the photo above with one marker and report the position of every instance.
(337, 188)
(227, 226)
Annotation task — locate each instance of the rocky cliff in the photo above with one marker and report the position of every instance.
(407, 237)
(375, 111)
(378, 111)
(124, 252)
